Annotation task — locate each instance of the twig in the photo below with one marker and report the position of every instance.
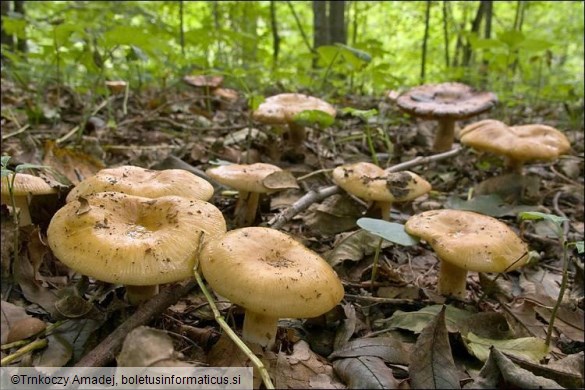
(37, 344)
(101, 355)
(233, 336)
(318, 195)
(21, 130)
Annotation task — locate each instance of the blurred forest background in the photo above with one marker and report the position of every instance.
(529, 51)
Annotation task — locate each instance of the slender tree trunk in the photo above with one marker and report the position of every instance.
(487, 33)
(475, 25)
(6, 39)
(275, 36)
(354, 22)
(181, 27)
(320, 27)
(20, 42)
(337, 32)
(518, 22)
(425, 42)
(446, 32)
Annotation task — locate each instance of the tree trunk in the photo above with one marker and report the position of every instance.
(20, 42)
(182, 26)
(425, 43)
(320, 27)
(275, 36)
(337, 32)
(475, 25)
(446, 32)
(6, 39)
(487, 33)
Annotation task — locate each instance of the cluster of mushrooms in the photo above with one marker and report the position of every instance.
(141, 228)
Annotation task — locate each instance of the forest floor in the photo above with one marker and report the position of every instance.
(368, 339)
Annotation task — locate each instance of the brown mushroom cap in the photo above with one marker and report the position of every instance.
(244, 177)
(200, 81)
(116, 86)
(520, 143)
(268, 272)
(149, 183)
(446, 100)
(469, 240)
(281, 109)
(133, 240)
(370, 182)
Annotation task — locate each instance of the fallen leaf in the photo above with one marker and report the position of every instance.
(9, 315)
(280, 180)
(366, 372)
(431, 363)
(354, 246)
(529, 347)
(147, 347)
(386, 348)
(416, 321)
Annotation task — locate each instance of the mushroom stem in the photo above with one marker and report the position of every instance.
(21, 203)
(296, 134)
(514, 165)
(139, 294)
(260, 329)
(385, 208)
(246, 211)
(445, 135)
(452, 280)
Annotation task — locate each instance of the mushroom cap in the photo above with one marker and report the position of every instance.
(199, 81)
(522, 143)
(468, 240)
(270, 273)
(446, 100)
(149, 183)
(281, 109)
(244, 177)
(370, 182)
(116, 86)
(133, 240)
(25, 184)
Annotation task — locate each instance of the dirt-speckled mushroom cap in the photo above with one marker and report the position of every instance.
(149, 183)
(521, 143)
(370, 182)
(468, 240)
(133, 240)
(281, 109)
(268, 272)
(25, 184)
(446, 100)
(243, 177)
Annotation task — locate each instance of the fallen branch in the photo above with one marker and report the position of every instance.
(314, 196)
(105, 352)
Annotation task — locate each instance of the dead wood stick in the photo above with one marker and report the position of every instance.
(105, 352)
(318, 195)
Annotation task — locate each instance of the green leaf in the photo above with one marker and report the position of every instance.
(511, 38)
(327, 54)
(362, 114)
(314, 117)
(390, 231)
(532, 348)
(255, 100)
(416, 321)
(4, 160)
(535, 215)
(535, 44)
(359, 54)
(22, 167)
(580, 245)
(491, 205)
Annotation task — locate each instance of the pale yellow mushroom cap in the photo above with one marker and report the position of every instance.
(468, 240)
(149, 183)
(244, 177)
(370, 182)
(25, 184)
(268, 272)
(282, 108)
(521, 143)
(133, 240)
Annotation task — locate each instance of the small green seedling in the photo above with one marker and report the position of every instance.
(389, 231)
(556, 223)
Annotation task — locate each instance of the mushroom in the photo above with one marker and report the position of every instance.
(149, 183)
(250, 180)
(23, 187)
(467, 241)
(517, 143)
(211, 85)
(281, 110)
(272, 276)
(372, 183)
(133, 240)
(447, 103)
(116, 86)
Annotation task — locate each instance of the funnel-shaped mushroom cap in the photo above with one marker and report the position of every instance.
(244, 177)
(469, 240)
(268, 272)
(132, 240)
(281, 109)
(149, 183)
(521, 143)
(370, 182)
(25, 184)
(446, 100)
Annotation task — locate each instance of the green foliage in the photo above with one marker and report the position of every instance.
(389, 231)
(311, 118)
(83, 43)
